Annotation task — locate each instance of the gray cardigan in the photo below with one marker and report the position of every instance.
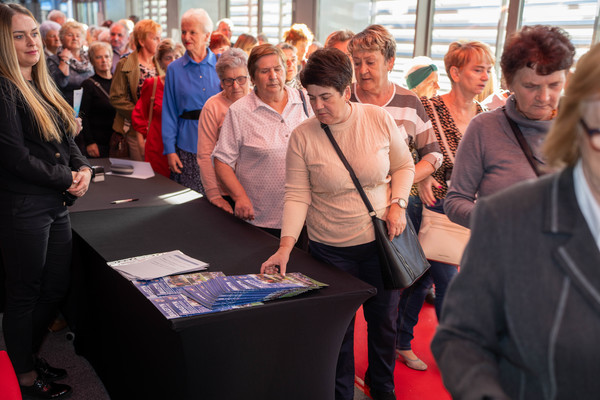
(489, 159)
(522, 318)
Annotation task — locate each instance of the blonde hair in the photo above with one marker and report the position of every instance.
(561, 146)
(460, 53)
(50, 110)
(142, 29)
(69, 26)
(96, 46)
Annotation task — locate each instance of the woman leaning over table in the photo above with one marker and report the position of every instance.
(41, 169)
(130, 74)
(522, 319)
(168, 51)
(535, 63)
(189, 83)
(233, 72)
(249, 156)
(70, 66)
(319, 189)
(468, 65)
(97, 114)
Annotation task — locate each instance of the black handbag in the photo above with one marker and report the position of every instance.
(402, 260)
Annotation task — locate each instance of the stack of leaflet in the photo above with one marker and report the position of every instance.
(189, 294)
(157, 265)
(228, 291)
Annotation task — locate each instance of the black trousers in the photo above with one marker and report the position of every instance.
(35, 242)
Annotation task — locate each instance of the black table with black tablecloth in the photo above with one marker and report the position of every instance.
(285, 349)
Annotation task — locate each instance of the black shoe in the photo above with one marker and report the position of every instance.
(378, 395)
(430, 298)
(45, 390)
(48, 373)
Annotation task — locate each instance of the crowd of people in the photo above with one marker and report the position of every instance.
(244, 123)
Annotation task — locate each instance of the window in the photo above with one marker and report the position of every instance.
(271, 17)
(156, 10)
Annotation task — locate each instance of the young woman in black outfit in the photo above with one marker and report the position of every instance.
(41, 172)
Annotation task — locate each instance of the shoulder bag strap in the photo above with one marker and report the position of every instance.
(100, 87)
(304, 102)
(152, 102)
(441, 131)
(522, 142)
(359, 187)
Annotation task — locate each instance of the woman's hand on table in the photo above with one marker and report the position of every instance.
(280, 258)
(395, 221)
(244, 209)
(81, 182)
(222, 204)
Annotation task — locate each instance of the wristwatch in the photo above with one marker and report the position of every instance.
(400, 201)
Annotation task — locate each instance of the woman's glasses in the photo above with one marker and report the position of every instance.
(229, 81)
(593, 133)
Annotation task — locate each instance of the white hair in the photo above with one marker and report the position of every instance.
(201, 16)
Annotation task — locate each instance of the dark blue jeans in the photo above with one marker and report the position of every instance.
(35, 242)
(413, 297)
(380, 313)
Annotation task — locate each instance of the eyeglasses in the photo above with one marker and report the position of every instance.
(240, 80)
(593, 133)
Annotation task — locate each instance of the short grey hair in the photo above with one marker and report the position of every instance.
(48, 26)
(56, 14)
(95, 46)
(232, 58)
(201, 16)
(227, 21)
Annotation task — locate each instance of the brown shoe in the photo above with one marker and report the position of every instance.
(413, 363)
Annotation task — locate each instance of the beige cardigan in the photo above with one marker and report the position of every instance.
(123, 90)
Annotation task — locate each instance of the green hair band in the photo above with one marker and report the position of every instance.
(415, 78)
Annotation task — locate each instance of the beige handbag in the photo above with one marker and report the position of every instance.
(441, 239)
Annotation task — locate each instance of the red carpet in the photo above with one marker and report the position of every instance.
(410, 384)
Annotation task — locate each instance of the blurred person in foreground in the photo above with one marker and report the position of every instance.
(233, 72)
(522, 319)
(319, 190)
(41, 172)
(151, 95)
(249, 157)
(535, 63)
(190, 82)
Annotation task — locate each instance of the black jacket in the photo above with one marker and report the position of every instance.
(28, 163)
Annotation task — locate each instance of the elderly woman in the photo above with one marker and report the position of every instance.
(148, 123)
(41, 169)
(70, 66)
(319, 189)
(249, 157)
(129, 76)
(422, 78)
(490, 157)
(233, 73)
(291, 60)
(97, 114)
(521, 321)
(49, 32)
(190, 81)
(468, 65)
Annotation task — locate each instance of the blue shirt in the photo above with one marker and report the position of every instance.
(188, 85)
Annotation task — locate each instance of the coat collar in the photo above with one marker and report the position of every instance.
(577, 253)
